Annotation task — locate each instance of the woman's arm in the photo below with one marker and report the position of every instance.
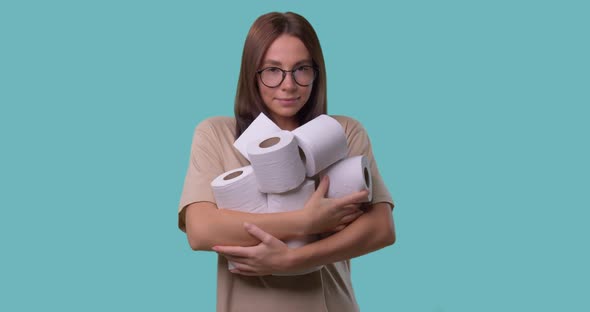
(371, 231)
(207, 226)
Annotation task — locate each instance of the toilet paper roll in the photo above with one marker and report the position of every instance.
(293, 200)
(277, 162)
(238, 190)
(348, 176)
(289, 201)
(261, 127)
(323, 142)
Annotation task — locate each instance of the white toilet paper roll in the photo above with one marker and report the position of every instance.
(261, 127)
(238, 190)
(277, 162)
(348, 176)
(289, 201)
(323, 142)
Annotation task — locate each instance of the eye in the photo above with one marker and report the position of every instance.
(273, 69)
(304, 68)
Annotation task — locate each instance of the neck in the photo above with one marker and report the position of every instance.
(286, 123)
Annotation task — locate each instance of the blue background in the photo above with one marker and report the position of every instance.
(478, 113)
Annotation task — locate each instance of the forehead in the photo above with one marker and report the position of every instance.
(287, 50)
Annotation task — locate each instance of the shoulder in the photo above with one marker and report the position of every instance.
(350, 125)
(218, 125)
(215, 131)
(356, 136)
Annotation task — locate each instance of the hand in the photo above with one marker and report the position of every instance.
(331, 214)
(350, 217)
(269, 256)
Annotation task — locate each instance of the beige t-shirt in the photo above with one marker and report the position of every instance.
(329, 289)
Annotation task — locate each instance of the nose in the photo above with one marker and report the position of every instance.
(289, 82)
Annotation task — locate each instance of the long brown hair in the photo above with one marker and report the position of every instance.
(262, 34)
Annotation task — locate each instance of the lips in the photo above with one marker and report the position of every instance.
(287, 101)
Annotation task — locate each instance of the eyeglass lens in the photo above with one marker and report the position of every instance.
(274, 76)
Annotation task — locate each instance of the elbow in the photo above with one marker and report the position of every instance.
(387, 234)
(197, 243)
(386, 238)
(194, 243)
(384, 228)
(389, 238)
(198, 231)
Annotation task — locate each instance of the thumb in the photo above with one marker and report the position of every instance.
(259, 233)
(323, 187)
(354, 198)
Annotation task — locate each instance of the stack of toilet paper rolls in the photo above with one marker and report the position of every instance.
(282, 166)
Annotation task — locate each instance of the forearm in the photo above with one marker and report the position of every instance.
(371, 231)
(208, 226)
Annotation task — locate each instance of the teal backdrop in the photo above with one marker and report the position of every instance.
(477, 110)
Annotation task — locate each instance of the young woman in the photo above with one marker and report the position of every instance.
(283, 76)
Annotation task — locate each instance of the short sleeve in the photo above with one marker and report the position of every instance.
(204, 165)
(360, 144)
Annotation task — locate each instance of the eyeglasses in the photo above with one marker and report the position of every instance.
(272, 77)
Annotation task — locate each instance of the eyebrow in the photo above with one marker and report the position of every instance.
(277, 63)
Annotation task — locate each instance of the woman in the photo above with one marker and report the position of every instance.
(283, 76)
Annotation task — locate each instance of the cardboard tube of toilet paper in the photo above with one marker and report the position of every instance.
(261, 127)
(323, 143)
(277, 162)
(348, 176)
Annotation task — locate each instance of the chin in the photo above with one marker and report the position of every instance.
(287, 112)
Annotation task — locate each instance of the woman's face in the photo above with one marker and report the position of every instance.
(285, 100)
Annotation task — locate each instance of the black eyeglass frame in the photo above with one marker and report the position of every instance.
(292, 71)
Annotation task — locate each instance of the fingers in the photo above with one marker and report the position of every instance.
(353, 206)
(340, 212)
(235, 259)
(244, 269)
(339, 228)
(323, 187)
(236, 251)
(259, 233)
(347, 219)
(346, 209)
(247, 273)
(353, 198)
(351, 217)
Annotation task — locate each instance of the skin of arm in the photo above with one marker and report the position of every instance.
(208, 226)
(371, 231)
